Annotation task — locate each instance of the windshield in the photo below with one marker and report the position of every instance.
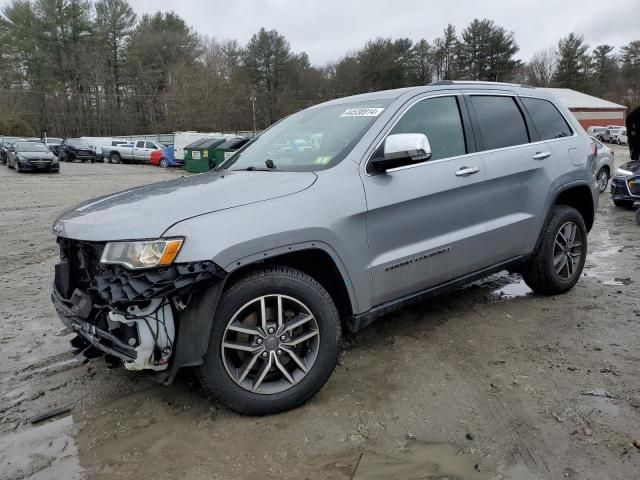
(311, 140)
(31, 147)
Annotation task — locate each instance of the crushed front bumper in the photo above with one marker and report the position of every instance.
(152, 319)
(94, 336)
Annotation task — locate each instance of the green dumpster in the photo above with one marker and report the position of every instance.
(197, 155)
(225, 150)
(193, 161)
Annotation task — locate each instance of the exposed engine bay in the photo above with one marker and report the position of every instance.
(130, 316)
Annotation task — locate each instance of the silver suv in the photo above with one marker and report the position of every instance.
(326, 221)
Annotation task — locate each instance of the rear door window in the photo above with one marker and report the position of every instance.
(439, 119)
(547, 119)
(500, 121)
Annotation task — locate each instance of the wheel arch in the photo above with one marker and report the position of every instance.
(576, 195)
(607, 168)
(579, 197)
(316, 259)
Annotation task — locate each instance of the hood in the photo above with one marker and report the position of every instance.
(36, 155)
(632, 166)
(148, 211)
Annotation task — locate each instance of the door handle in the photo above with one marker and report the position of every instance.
(465, 171)
(541, 155)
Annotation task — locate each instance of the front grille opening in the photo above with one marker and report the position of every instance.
(79, 265)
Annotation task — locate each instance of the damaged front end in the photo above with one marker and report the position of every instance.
(149, 319)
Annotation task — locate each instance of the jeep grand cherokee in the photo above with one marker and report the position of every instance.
(251, 272)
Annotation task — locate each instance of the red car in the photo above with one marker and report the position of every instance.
(156, 157)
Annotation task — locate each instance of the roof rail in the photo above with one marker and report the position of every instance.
(477, 82)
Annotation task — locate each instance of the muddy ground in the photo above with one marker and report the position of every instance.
(487, 382)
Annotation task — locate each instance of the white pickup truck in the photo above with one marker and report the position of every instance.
(136, 152)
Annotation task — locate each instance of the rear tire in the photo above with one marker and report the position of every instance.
(115, 157)
(282, 289)
(557, 263)
(628, 204)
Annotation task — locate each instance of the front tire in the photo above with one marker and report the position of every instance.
(274, 342)
(164, 163)
(557, 263)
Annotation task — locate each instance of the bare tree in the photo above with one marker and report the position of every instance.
(542, 67)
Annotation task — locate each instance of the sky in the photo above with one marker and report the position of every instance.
(327, 29)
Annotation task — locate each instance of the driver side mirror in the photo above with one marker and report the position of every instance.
(402, 149)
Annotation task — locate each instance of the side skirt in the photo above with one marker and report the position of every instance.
(356, 323)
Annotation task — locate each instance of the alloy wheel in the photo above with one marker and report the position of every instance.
(603, 179)
(270, 344)
(567, 250)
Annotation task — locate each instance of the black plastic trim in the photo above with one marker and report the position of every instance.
(358, 322)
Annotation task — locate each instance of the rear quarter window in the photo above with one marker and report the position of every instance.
(547, 119)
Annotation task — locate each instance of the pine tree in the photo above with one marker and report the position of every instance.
(573, 63)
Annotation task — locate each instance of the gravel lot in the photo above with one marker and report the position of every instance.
(487, 382)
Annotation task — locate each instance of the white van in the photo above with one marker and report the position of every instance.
(619, 136)
(596, 131)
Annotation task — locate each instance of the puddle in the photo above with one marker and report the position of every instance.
(618, 282)
(424, 460)
(44, 452)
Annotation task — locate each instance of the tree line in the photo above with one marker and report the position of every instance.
(95, 68)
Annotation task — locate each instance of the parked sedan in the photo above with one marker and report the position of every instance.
(604, 164)
(625, 185)
(76, 149)
(7, 145)
(32, 156)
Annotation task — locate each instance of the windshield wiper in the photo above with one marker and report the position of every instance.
(252, 169)
(269, 163)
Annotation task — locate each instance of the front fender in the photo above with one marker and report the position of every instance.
(235, 237)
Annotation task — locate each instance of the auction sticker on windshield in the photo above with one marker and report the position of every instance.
(362, 112)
